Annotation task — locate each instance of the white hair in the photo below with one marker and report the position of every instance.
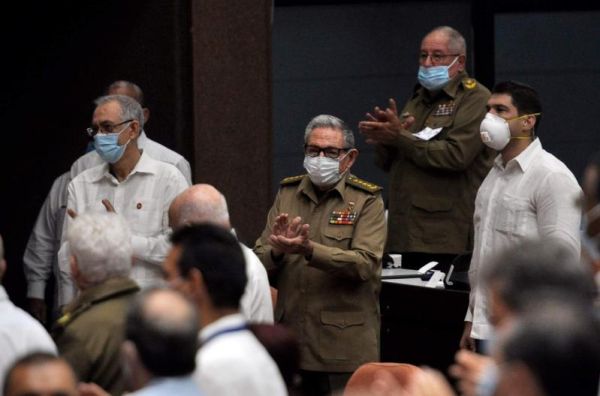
(101, 242)
(329, 121)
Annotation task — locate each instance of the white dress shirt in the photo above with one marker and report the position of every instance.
(256, 303)
(231, 361)
(143, 199)
(20, 334)
(156, 151)
(533, 197)
(40, 257)
(176, 386)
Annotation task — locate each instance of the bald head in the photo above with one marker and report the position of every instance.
(163, 327)
(200, 203)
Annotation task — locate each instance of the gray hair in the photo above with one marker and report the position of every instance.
(456, 41)
(329, 121)
(130, 108)
(536, 268)
(135, 89)
(101, 242)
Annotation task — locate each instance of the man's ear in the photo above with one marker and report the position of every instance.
(197, 282)
(2, 268)
(146, 114)
(349, 160)
(529, 122)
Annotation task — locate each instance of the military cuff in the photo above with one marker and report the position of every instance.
(320, 256)
(36, 289)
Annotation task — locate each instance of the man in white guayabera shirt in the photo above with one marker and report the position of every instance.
(528, 194)
(130, 183)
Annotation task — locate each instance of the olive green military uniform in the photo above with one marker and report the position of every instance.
(433, 183)
(331, 300)
(90, 333)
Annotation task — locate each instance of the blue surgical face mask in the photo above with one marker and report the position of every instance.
(107, 146)
(435, 77)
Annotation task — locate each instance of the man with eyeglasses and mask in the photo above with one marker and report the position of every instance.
(433, 154)
(130, 183)
(528, 194)
(322, 246)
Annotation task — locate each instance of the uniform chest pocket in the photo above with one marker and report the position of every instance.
(338, 235)
(513, 216)
(145, 216)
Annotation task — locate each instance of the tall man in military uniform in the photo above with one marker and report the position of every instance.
(323, 244)
(434, 155)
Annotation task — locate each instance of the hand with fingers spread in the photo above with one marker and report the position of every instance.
(385, 126)
(290, 237)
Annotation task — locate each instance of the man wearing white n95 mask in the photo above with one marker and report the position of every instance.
(528, 194)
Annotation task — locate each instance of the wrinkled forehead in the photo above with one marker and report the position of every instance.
(110, 111)
(326, 137)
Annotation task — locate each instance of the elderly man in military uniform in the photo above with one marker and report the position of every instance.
(322, 245)
(434, 155)
(90, 333)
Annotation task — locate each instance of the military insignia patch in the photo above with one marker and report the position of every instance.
(469, 83)
(346, 216)
(444, 109)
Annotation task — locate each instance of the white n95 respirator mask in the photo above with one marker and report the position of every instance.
(494, 132)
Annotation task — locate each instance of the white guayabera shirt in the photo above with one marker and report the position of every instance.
(143, 199)
(533, 197)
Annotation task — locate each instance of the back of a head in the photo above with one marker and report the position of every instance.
(200, 203)
(560, 345)
(216, 253)
(524, 98)
(536, 268)
(40, 373)
(164, 327)
(127, 88)
(101, 244)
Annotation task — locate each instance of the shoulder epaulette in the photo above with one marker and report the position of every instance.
(469, 83)
(291, 180)
(363, 184)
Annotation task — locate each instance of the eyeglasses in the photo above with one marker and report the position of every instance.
(105, 127)
(329, 152)
(435, 58)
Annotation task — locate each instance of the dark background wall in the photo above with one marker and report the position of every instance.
(58, 57)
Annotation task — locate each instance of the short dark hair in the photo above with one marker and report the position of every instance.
(536, 268)
(560, 345)
(216, 253)
(32, 358)
(167, 347)
(524, 98)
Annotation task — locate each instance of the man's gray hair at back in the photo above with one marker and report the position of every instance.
(101, 242)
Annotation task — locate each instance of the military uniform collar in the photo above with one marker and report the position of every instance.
(95, 294)
(451, 89)
(307, 188)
